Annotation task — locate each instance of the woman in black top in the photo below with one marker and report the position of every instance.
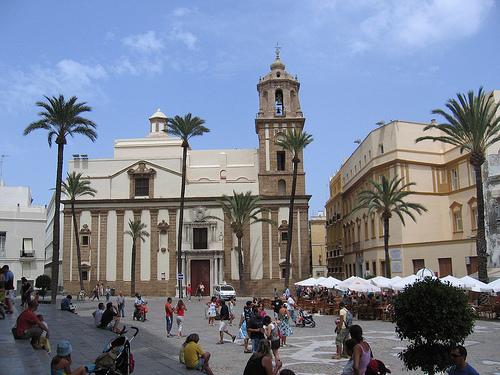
(260, 363)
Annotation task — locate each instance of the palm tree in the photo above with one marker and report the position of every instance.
(242, 210)
(472, 124)
(388, 197)
(61, 118)
(294, 141)
(185, 128)
(137, 232)
(75, 188)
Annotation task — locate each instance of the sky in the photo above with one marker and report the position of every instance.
(359, 62)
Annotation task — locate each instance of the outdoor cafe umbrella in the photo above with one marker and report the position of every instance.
(493, 286)
(329, 282)
(454, 281)
(380, 281)
(357, 284)
(319, 281)
(474, 285)
(307, 282)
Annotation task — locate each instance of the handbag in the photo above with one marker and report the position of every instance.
(241, 335)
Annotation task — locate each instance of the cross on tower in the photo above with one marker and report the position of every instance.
(277, 49)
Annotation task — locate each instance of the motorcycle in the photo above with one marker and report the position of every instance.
(140, 312)
(305, 319)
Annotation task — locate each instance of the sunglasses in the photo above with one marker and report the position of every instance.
(456, 355)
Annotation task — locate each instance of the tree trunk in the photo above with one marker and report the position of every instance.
(56, 229)
(386, 247)
(132, 270)
(77, 239)
(240, 265)
(481, 246)
(185, 146)
(290, 225)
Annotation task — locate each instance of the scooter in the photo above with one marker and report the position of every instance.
(305, 319)
(140, 312)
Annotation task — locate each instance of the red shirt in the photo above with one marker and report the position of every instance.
(180, 311)
(189, 290)
(25, 321)
(169, 310)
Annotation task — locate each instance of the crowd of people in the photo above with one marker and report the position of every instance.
(263, 334)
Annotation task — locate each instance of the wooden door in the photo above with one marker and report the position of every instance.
(200, 273)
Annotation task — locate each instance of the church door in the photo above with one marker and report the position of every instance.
(200, 273)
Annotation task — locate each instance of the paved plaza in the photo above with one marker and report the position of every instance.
(309, 354)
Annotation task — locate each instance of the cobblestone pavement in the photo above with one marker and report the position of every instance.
(309, 354)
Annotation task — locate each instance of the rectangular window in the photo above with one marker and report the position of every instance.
(458, 222)
(418, 264)
(200, 238)
(471, 265)
(141, 187)
(454, 179)
(280, 158)
(284, 236)
(85, 275)
(374, 268)
(3, 238)
(27, 247)
(380, 148)
(85, 240)
(474, 218)
(366, 230)
(445, 267)
(382, 268)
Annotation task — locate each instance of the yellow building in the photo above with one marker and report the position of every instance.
(318, 245)
(443, 239)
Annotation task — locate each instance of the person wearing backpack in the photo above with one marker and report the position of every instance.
(342, 330)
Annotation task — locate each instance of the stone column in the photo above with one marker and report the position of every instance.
(67, 246)
(172, 247)
(120, 229)
(275, 269)
(100, 256)
(94, 246)
(155, 246)
(228, 245)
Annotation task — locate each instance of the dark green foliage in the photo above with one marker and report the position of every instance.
(434, 316)
(43, 282)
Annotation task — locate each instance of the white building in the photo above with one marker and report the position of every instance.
(22, 233)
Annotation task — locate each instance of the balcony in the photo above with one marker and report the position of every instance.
(27, 256)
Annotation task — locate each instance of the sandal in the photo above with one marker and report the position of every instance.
(219, 343)
(234, 338)
(248, 351)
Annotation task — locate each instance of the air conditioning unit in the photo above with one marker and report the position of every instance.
(467, 261)
(367, 273)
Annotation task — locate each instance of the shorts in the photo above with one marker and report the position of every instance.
(111, 324)
(200, 364)
(275, 345)
(342, 336)
(223, 326)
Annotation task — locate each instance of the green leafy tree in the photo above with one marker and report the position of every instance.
(433, 316)
(295, 142)
(43, 282)
(75, 187)
(61, 118)
(185, 128)
(242, 210)
(473, 125)
(388, 197)
(137, 232)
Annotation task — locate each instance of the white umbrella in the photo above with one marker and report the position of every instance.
(381, 281)
(307, 282)
(330, 282)
(401, 284)
(357, 284)
(454, 281)
(494, 286)
(320, 280)
(473, 284)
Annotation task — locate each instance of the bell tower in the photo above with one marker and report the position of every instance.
(279, 111)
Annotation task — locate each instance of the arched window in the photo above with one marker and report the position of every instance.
(281, 187)
(278, 99)
(223, 174)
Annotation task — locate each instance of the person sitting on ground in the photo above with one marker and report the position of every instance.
(349, 350)
(43, 342)
(66, 304)
(362, 352)
(459, 356)
(261, 363)
(194, 357)
(28, 326)
(98, 314)
(110, 318)
(61, 363)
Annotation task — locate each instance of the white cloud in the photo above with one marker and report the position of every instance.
(68, 77)
(144, 43)
(181, 11)
(416, 24)
(185, 37)
(142, 66)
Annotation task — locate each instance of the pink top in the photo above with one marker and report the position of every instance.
(180, 312)
(364, 359)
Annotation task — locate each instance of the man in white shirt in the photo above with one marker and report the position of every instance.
(98, 314)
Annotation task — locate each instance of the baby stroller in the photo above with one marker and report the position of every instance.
(305, 319)
(117, 358)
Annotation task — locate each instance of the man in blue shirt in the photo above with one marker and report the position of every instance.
(461, 367)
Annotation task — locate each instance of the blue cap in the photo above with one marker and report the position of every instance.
(64, 348)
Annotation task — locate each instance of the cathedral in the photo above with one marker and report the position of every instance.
(142, 182)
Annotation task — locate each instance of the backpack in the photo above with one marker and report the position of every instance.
(348, 319)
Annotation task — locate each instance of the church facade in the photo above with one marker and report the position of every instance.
(142, 182)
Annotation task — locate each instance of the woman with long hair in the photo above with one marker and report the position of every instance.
(284, 318)
(212, 306)
(362, 352)
(261, 363)
(179, 310)
(61, 363)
